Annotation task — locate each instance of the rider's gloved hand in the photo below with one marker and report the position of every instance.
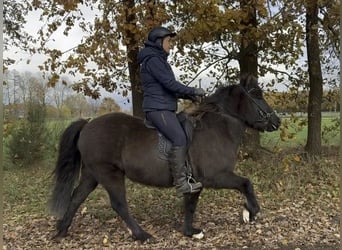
(199, 92)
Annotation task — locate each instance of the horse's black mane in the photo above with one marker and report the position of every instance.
(213, 103)
(216, 102)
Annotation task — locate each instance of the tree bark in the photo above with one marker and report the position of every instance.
(133, 66)
(313, 144)
(137, 93)
(248, 63)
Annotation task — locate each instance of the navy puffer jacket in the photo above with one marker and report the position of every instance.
(160, 87)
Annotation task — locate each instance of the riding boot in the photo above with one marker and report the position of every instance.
(183, 185)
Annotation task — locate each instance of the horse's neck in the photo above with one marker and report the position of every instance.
(224, 124)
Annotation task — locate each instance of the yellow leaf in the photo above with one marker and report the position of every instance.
(84, 210)
(296, 158)
(105, 241)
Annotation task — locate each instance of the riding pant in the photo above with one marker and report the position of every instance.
(167, 123)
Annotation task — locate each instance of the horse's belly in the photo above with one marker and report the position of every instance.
(147, 169)
(150, 177)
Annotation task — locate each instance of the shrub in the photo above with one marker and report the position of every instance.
(28, 137)
(54, 132)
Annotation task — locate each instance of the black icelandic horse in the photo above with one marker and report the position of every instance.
(114, 146)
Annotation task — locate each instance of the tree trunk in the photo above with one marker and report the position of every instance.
(249, 64)
(313, 144)
(133, 66)
(137, 94)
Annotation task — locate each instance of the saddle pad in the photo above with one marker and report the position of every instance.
(164, 146)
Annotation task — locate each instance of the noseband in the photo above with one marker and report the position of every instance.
(263, 115)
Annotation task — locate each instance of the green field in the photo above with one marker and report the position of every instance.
(297, 134)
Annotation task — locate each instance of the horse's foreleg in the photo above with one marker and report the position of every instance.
(251, 207)
(115, 185)
(230, 180)
(86, 186)
(190, 204)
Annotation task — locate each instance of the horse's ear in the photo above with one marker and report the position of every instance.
(248, 80)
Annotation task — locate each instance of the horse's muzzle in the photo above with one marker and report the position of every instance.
(273, 123)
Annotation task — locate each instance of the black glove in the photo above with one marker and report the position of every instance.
(199, 92)
(193, 98)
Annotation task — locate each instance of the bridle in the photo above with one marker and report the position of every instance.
(264, 115)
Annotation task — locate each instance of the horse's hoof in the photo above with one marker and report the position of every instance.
(59, 236)
(245, 215)
(249, 213)
(142, 237)
(198, 236)
(194, 233)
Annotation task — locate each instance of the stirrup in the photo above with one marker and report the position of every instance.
(190, 179)
(189, 186)
(192, 182)
(194, 189)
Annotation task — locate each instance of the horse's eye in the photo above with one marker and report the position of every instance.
(256, 93)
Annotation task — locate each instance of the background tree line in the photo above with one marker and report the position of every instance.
(292, 43)
(60, 102)
(291, 102)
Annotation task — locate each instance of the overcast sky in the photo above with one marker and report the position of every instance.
(57, 41)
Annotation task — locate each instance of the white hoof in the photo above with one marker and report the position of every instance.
(245, 215)
(198, 236)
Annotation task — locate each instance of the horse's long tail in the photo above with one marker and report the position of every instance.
(67, 168)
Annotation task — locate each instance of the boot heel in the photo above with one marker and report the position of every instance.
(184, 184)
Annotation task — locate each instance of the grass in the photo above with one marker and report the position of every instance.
(295, 134)
(288, 174)
(26, 192)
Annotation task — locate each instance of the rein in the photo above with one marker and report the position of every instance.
(265, 116)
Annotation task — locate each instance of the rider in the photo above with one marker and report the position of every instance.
(161, 91)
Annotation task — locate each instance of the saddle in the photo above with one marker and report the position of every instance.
(164, 145)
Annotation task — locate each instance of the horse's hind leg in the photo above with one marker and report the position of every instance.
(190, 203)
(86, 186)
(114, 183)
(230, 180)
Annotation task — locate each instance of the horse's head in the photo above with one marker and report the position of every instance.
(243, 101)
(256, 112)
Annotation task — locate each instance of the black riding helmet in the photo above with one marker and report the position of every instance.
(159, 33)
